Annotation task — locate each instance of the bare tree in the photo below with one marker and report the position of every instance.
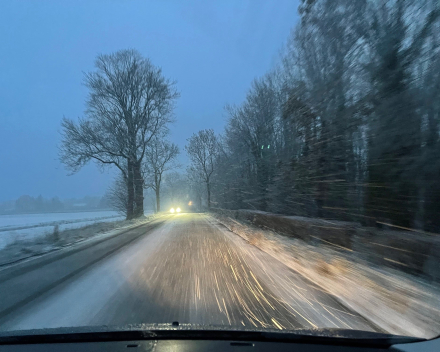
(395, 132)
(203, 149)
(160, 156)
(129, 103)
(117, 195)
(251, 135)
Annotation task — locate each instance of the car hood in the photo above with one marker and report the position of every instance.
(176, 331)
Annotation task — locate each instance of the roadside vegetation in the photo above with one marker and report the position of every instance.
(346, 125)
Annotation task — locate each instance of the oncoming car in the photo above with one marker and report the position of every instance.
(175, 210)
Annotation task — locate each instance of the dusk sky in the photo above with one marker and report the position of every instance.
(213, 51)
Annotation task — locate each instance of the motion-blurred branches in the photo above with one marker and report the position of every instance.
(347, 124)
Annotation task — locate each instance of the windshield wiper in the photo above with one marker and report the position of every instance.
(198, 332)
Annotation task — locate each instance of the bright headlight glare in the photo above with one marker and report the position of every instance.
(172, 210)
(178, 210)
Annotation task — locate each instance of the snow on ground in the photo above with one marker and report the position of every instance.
(37, 240)
(15, 220)
(398, 303)
(20, 227)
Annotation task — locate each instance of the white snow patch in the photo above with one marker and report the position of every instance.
(21, 227)
(38, 240)
(35, 219)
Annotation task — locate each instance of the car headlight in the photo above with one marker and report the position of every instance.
(172, 210)
(178, 210)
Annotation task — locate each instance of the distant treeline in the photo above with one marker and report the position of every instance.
(29, 204)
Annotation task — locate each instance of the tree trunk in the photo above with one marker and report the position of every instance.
(138, 190)
(158, 199)
(130, 191)
(208, 188)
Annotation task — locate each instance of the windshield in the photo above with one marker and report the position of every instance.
(239, 165)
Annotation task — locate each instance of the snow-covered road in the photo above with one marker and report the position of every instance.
(185, 268)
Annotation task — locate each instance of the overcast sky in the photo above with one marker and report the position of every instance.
(213, 50)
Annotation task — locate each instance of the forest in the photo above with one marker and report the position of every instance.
(346, 125)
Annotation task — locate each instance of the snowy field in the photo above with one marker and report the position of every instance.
(29, 226)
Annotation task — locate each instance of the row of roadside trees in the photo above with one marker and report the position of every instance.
(345, 126)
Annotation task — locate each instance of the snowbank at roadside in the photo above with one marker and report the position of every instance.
(396, 302)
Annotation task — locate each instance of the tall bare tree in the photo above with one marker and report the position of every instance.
(395, 147)
(160, 156)
(202, 148)
(250, 133)
(129, 103)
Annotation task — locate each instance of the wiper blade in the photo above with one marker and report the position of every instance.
(202, 332)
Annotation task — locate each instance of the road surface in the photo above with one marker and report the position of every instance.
(184, 267)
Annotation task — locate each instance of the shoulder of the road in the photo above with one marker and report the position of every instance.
(23, 282)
